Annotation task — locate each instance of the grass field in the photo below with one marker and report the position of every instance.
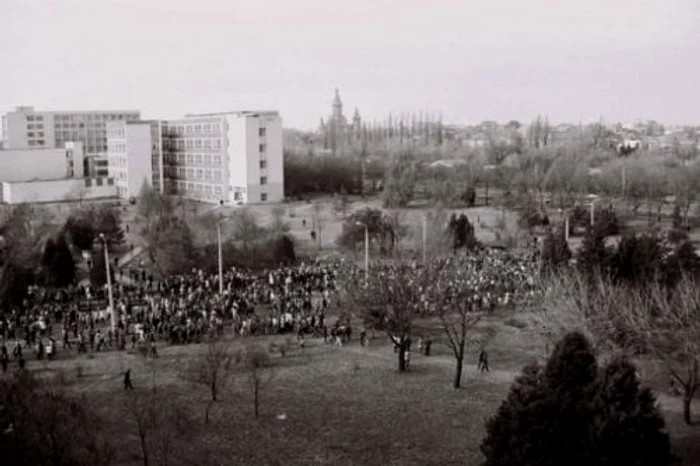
(328, 405)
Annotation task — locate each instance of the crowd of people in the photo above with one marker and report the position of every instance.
(186, 308)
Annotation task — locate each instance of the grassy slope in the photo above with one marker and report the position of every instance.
(343, 406)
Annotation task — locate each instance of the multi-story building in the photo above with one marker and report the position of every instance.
(26, 128)
(134, 156)
(233, 157)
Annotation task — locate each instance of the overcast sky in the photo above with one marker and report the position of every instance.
(470, 60)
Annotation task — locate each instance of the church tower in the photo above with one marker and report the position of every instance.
(337, 107)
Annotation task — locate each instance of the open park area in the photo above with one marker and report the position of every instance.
(292, 364)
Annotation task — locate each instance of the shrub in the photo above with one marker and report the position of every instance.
(531, 218)
(638, 259)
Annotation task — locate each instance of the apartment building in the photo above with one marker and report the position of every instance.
(134, 155)
(232, 157)
(27, 128)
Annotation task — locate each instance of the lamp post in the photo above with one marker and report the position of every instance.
(112, 311)
(593, 212)
(221, 259)
(425, 234)
(360, 224)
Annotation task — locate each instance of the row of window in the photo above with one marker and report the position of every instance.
(192, 143)
(190, 159)
(179, 130)
(92, 117)
(89, 182)
(192, 174)
(33, 134)
(190, 187)
(35, 126)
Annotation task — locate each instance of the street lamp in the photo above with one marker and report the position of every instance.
(112, 311)
(360, 224)
(425, 230)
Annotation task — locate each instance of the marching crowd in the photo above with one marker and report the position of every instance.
(185, 308)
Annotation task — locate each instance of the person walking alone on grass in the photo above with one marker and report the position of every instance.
(127, 380)
(483, 361)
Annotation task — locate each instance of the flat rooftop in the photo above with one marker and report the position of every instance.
(236, 112)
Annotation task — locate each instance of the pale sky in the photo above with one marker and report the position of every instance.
(470, 60)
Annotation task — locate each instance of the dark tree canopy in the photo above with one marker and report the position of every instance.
(570, 412)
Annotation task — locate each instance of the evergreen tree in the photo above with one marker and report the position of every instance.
(98, 272)
(62, 268)
(638, 259)
(629, 429)
(49, 252)
(569, 413)
(593, 256)
(555, 250)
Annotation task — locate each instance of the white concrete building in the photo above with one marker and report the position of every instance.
(26, 128)
(19, 165)
(134, 156)
(21, 192)
(234, 157)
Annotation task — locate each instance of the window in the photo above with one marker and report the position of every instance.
(30, 134)
(207, 175)
(261, 132)
(110, 181)
(263, 180)
(190, 144)
(197, 143)
(262, 148)
(198, 158)
(88, 183)
(207, 159)
(199, 174)
(217, 175)
(263, 164)
(217, 160)
(190, 158)
(217, 143)
(263, 197)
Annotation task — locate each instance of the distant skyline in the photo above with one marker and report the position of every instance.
(469, 61)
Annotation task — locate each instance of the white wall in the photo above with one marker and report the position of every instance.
(273, 154)
(54, 191)
(236, 152)
(33, 164)
(138, 157)
(16, 137)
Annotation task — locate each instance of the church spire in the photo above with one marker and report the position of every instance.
(337, 105)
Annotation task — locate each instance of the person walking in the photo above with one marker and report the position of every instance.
(483, 361)
(127, 380)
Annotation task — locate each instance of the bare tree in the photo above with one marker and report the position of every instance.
(391, 298)
(457, 294)
(213, 369)
(159, 423)
(260, 371)
(634, 320)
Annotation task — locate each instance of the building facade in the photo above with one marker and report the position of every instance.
(134, 156)
(26, 128)
(232, 157)
(66, 190)
(20, 165)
